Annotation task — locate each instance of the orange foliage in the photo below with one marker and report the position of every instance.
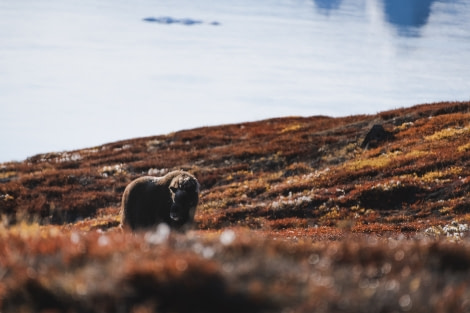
(294, 216)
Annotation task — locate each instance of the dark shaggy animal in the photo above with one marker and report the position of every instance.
(171, 199)
(375, 136)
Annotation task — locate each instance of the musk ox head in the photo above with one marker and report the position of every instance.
(185, 196)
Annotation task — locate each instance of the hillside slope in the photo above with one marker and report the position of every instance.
(299, 214)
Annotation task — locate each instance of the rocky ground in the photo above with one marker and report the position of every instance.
(314, 214)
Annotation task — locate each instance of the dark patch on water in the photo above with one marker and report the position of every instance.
(171, 20)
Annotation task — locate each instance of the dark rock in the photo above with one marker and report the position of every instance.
(375, 136)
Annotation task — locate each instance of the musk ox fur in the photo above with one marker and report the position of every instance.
(148, 201)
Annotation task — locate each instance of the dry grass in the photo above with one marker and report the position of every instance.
(294, 217)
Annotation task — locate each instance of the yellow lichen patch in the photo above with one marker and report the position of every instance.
(30, 230)
(464, 148)
(444, 174)
(404, 126)
(416, 154)
(381, 161)
(291, 128)
(7, 175)
(447, 133)
(332, 214)
(446, 210)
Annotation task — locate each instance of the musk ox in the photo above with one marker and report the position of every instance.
(171, 199)
(375, 136)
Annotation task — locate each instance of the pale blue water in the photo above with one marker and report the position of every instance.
(75, 74)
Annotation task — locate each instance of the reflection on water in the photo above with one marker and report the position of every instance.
(172, 20)
(325, 6)
(408, 15)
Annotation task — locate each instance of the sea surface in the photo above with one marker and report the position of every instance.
(76, 74)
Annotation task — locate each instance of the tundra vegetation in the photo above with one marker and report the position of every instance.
(294, 216)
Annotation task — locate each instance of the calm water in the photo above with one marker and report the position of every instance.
(76, 74)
